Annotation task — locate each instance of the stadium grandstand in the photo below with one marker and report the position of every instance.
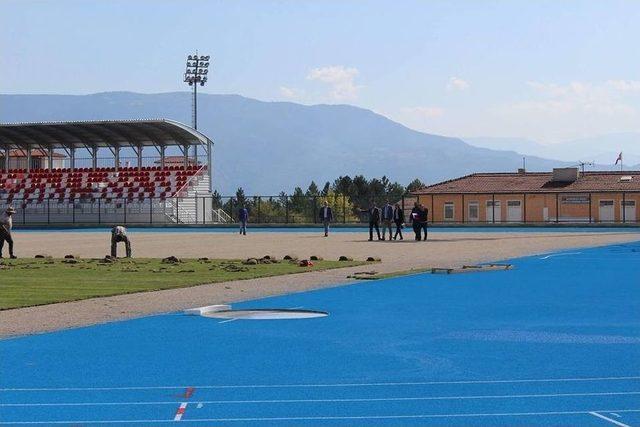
(45, 178)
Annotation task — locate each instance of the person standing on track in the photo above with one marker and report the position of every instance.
(398, 220)
(326, 216)
(6, 224)
(415, 217)
(119, 234)
(243, 216)
(387, 218)
(374, 219)
(423, 220)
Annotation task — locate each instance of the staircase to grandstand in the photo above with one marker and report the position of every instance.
(174, 194)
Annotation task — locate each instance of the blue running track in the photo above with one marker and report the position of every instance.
(555, 341)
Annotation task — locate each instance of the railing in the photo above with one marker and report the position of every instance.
(219, 216)
(487, 209)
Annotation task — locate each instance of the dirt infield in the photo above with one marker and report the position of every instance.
(444, 249)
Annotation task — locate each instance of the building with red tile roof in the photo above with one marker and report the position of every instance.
(563, 195)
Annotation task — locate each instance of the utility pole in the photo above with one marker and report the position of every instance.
(196, 74)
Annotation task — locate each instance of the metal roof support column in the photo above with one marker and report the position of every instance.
(162, 148)
(557, 209)
(50, 158)
(185, 151)
(94, 158)
(72, 150)
(28, 157)
(116, 157)
(210, 163)
(139, 153)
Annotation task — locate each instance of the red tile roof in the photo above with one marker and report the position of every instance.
(535, 182)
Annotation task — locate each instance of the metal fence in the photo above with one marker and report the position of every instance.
(207, 209)
(200, 209)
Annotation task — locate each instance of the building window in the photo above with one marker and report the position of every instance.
(449, 211)
(474, 211)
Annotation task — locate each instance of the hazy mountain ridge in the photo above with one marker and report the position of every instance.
(601, 149)
(267, 147)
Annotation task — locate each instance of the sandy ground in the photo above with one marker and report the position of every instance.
(444, 249)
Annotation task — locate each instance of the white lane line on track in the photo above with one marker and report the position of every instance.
(378, 384)
(562, 254)
(618, 423)
(364, 399)
(180, 412)
(312, 418)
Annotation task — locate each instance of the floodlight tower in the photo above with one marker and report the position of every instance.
(194, 75)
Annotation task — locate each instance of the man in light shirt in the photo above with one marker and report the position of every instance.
(387, 218)
(119, 234)
(326, 216)
(6, 223)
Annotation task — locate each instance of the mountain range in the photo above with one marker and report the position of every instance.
(601, 149)
(268, 147)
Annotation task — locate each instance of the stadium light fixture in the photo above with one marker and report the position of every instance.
(197, 68)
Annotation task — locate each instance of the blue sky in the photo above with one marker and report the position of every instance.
(545, 70)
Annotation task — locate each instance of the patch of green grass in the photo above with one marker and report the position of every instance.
(28, 282)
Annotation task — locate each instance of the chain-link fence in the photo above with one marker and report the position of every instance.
(204, 210)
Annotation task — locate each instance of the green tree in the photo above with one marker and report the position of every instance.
(414, 185)
(312, 190)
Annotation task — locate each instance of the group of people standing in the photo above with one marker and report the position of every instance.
(393, 215)
(389, 215)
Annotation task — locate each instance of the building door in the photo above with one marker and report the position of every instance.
(491, 210)
(514, 211)
(629, 211)
(606, 211)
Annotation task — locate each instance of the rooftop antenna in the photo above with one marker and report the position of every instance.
(583, 164)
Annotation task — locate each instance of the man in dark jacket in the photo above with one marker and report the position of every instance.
(326, 216)
(424, 219)
(243, 216)
(415, 220)
(398, 220)
(374, 220)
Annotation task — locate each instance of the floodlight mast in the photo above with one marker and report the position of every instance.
(196, 74)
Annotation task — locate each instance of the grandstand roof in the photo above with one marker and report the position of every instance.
(103, 133)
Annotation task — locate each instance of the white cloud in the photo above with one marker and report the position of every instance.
(340, 78)
(625, 85)
(291, 93)
(456, 83)
(424, 112)
(582, 97)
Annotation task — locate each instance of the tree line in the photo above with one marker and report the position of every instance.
(345, 195)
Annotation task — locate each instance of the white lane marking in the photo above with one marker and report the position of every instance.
(562, 254)
(379, 384)
(180, 412)
(229, 320)
(615, 415)
(346, 417)
(367, 399)
(618, 423)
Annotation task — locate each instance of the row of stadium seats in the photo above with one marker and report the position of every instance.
(62, 185)
(111, 169)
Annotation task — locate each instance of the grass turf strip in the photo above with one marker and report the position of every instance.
(29, 282)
